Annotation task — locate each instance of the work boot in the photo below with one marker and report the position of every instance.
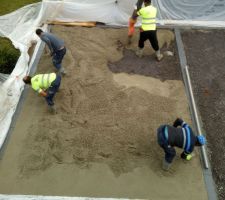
(159, 56)
(139, 52)
(62, 71)
(52, 109)
(129, 40)
(166, 165)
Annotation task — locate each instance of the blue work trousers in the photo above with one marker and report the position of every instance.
(54, 87)
(58, 57)
(170, 152)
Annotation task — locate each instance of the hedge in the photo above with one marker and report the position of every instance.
(8, 56)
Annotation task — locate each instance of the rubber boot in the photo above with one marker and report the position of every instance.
(129, 39)
(166, 165)
(52, 109)
(159, 56)
(139, 52)
(62, 71)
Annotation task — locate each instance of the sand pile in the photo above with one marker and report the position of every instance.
(101, 116)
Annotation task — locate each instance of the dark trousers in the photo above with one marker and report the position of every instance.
(54, 87)
(170, 152)
(151, 36)
(57, 58)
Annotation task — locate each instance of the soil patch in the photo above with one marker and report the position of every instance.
(167, 69)
(206, 58)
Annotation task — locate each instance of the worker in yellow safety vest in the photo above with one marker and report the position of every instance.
(148, 29)
(46, 85)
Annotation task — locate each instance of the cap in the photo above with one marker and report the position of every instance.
(201, 139)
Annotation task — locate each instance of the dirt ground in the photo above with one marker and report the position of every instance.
(206, 58)
(102, 141)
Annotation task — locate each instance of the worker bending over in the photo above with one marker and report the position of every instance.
(56, 47)
(46, 85)
(148, 29)
(179, 135)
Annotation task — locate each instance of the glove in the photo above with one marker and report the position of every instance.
(186, 156)
(178, 122)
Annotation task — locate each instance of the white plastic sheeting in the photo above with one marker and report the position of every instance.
(20, 26)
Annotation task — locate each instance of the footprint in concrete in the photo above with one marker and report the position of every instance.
(105, 155)
(69, 61)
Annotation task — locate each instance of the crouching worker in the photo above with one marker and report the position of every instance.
(179, 135)
(46, 85)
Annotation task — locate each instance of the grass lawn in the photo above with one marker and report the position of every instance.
(8, 54)
(8, 6)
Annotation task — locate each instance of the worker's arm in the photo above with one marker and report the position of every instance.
(47, 41)
(39, 90)
(43, 93)
(139, 12)
(139, 4)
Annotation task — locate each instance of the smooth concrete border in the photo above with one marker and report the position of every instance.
(32, 66)
(210, 185)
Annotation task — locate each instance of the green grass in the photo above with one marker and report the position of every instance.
(8, 54)
(7, 6)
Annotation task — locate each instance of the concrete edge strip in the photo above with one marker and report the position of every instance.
(32, 66)
(207, 172)
(37, 197)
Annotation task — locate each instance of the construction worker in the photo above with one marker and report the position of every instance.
(56, 47)
(133, 20)
(148, 29)
(179, 135)
(46, 85)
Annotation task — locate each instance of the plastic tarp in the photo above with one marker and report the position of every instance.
(20, 26)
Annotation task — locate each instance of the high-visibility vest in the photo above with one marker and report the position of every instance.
(42, 81)
(148, 15)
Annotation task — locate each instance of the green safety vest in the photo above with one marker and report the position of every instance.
(42, 81)
(148, 15)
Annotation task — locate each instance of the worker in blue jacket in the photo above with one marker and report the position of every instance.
(179, 135)
(56, 47)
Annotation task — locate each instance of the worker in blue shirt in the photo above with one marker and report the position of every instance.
(179, 135)
(56, 47)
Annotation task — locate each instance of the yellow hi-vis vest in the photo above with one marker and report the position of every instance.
(42, 81)
(148, 15)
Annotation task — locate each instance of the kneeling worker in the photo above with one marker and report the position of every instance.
(46, 85)
(182, 137)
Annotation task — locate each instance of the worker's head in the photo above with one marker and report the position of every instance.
(200, 140)
(27, 79)
(39, 32)
(147, 2)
